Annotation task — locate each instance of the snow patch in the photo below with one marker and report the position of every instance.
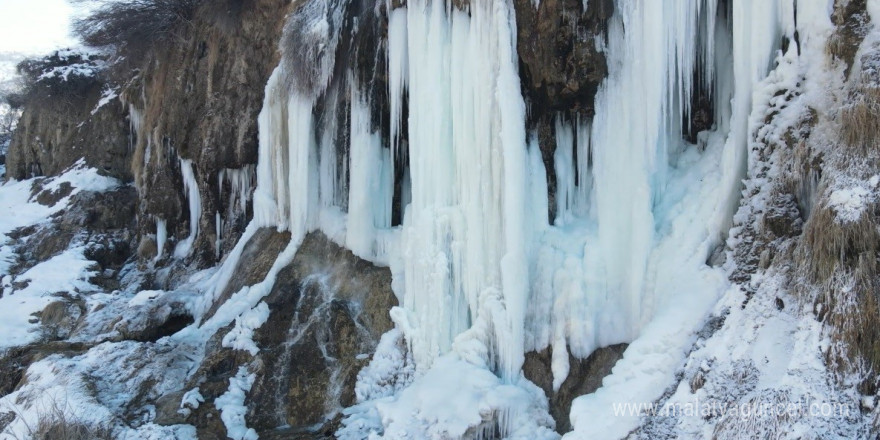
(232, 408)
(241, 336)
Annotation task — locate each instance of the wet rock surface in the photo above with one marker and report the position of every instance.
(328, 310)
(256, 259)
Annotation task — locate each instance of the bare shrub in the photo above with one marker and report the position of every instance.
(133, 27)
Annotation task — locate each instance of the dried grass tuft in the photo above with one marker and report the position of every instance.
(860, 118)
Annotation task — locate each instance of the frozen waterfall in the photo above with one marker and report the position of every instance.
(481, 274)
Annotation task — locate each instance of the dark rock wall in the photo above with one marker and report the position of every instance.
(328, 310)
(53, 134)
(584, 377)
(199, 100)
(560, 67)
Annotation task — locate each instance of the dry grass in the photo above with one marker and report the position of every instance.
(761, 418)
(839, 261)
(852, 301)
(860, 118)
(852, 24)
(831, 245)
(57, 423)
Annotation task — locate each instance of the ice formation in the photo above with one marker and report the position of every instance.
(232, 408)
(161, 237)
(481, 274)
(191, 187)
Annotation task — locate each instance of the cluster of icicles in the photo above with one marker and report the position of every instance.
(479, 270)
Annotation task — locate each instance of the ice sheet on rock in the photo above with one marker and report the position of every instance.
(190, 401)
(107, 96)
(232, 408)
(389, 371)
(241, 336)
(144, 297)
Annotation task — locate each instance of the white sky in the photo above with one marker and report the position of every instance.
(32, 27)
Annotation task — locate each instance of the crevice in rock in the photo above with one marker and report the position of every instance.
(584, 377)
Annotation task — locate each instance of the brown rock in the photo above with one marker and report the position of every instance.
(328, 310)
(561, 68)
(256, 259)
(584, 377)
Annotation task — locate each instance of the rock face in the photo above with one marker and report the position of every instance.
(51, 136)
(328, 310)
(199, 100)
(560, 67)
(584, 377)
(556, 41)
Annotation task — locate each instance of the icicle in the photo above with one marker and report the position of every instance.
(272, 166)
(161, 238)
(756, 33)
(218, 224)
(466, 233)
(136, 120)
(240, 183)
(191, 188)
(302, 171)
(397, 71)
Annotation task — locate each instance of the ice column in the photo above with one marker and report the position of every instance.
(466, 235)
